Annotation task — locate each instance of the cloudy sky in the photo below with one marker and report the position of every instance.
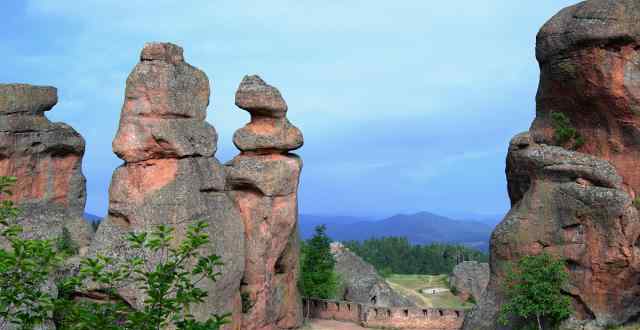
(405, 105)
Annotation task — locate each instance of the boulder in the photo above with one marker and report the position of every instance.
(361, 282)
(170, 175)
(264, 178)
(572, 206)
(46, 159)
(588, 56)
(470, 278)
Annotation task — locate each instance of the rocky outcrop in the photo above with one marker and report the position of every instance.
(578, 205)
(470, 278)
(264, 179)
(46, 159)
(170, 175)
(589, 55)
(361, 282)
(573, 206)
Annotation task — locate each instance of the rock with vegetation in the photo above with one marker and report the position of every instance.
(264, 179)
(588, 55)
(170, 175)
(361, 283)
(46, 159)
(470, 279)
(572, 206)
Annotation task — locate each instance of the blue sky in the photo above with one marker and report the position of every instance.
(405, 105)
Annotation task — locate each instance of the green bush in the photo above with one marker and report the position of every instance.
(564, 132)
(533, 289)
(65, 244)
(167, 272)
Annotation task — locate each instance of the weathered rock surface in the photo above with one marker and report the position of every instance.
(170, 175)
(264, 179)
(573, 206)
(589, 57)
(470, 278)
(361, 282)
(46, 158)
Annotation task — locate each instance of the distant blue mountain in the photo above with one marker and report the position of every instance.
(419, 228)
(92, 217)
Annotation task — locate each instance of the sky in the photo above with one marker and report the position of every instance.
(405, 105)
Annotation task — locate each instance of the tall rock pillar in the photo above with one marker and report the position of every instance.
(264, 179)
(170, 175)
(46, 158)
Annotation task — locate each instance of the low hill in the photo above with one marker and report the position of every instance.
(418, 228)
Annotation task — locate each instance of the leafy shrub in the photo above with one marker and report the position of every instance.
(533, 288)
(636, 202)
(564, 132)
(65, 244)
(167, 272)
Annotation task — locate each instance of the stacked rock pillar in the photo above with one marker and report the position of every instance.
(46, 159)
(264, 179)
(170, 175)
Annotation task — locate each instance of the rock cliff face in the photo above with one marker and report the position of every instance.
(470, 278)
(579, 205)
(264, 179)
(46, 158)
(589, 57)
(573, 206)
(170, 175)
(362, 284)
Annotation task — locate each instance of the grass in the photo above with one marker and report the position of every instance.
(411, 286)
(627, 327)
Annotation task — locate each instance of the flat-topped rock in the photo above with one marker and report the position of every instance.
(26, 99)
(162, 51)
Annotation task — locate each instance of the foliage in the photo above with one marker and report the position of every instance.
(247, 304)
(167, 272)
(318, 278)
(564, 132)
(533, 289)
(636, 202)
(25, 266)
(65, 244)
(168, 276)
(396, 255)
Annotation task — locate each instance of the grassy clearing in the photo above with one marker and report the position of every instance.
(411, 286)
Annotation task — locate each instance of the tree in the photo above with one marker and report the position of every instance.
(533, 290)
(167, 272)
(564, 132)
(26, 295)
(319, 279)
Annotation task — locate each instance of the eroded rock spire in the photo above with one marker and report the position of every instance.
(264, 179)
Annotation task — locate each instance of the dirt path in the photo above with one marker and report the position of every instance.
(331, 325)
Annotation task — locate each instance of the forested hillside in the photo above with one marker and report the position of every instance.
(395, 255)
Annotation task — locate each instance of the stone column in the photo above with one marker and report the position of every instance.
(264, 179)
(46, 158)
(170, 175)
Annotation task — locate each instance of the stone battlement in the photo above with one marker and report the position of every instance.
(384, 317)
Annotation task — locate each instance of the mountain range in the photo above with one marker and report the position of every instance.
(418, 228)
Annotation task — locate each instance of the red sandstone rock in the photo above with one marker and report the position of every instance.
(46, 158)
(264, 178)
(589, 55)
(170, 175)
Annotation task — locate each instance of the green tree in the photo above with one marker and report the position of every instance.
(533, 289)
(26, 297)
(166, 271)
(318, 279)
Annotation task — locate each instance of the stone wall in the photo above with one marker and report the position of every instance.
(383, 317)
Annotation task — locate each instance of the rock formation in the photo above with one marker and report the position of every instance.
(170, 175)
(361, 282)
(46, 158)
(573, 206)
(589, 57)
(470, 278)
(264, 179)
(579, 206)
